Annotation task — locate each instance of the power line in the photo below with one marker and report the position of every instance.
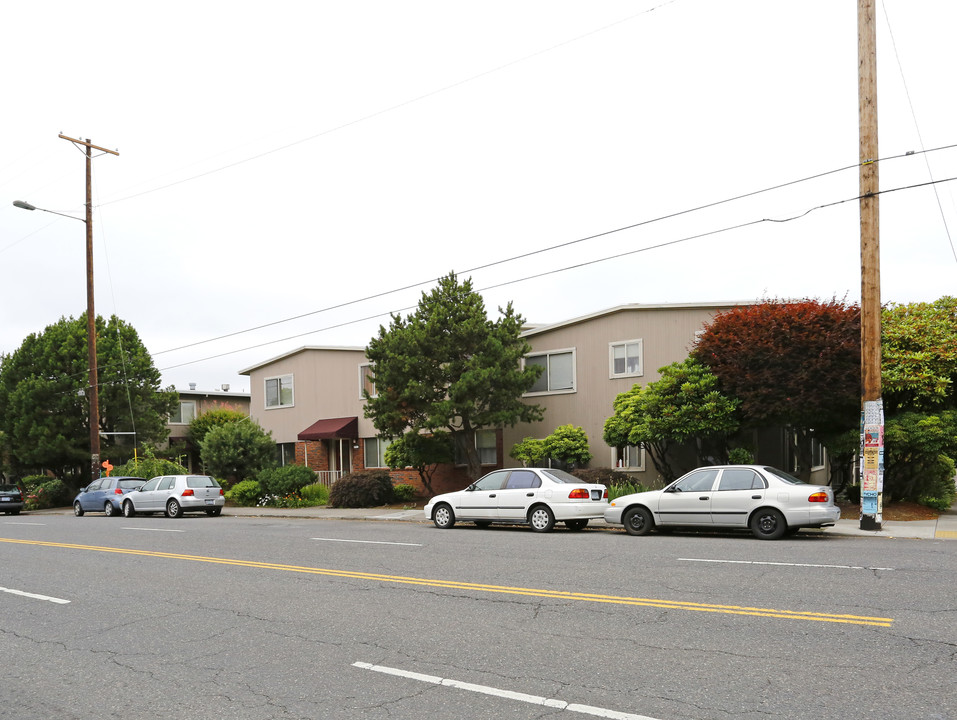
(627, 253)
(543, 250)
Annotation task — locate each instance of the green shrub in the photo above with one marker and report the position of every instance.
(623, 488)
(285, 480)
(403, 492)
(245, 493)
(315, 494)
(740, 456)
(362, 489)
(603, 476)
(149, 466)
(46, 492)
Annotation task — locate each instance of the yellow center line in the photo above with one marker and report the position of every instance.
(479, 587)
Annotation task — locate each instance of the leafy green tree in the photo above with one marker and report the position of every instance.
(44, 412)
(148, 466)
(919, 457)
(238, 451)
(422, 452)
(790, 363)
(448, 367)
(919, 355)
(530, 451)
(569, 445)
(202, 424)
(683, 406)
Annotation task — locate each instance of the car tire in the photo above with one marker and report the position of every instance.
(214, 512)
(768, 524)
(576, 524)
(443, 517)
(173, 509)
(541, 519)
(77, 509)
(637, 521)
(109, 510)
(128, 510)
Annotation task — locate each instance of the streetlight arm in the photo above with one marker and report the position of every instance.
(28, 206)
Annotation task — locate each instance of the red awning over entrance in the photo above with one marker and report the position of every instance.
(346, 428)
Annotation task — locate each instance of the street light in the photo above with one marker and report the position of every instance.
(90, 312)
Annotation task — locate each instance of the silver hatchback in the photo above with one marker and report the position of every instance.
(175, 495)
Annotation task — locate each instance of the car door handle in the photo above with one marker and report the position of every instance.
(492, 495)
(704, 497)
(755, 497)
(529, 494)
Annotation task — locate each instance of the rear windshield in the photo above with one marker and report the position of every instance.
(560, 476)
(783, 476)
(200, 481)
(131, 484)
(9, 488)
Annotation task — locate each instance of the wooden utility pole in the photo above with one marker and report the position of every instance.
(872, 419)
(90, 311)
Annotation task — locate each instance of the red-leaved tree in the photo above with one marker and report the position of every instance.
(790, 363)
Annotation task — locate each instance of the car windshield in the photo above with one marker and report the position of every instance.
(9, 488)
(783, 476)
(200, 481)
(560, 476)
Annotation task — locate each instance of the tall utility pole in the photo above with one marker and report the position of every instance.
(872, 408)
(90, 311)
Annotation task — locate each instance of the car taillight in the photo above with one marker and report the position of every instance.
(818, 497)
(188, 492)
(605, 495)
(118, 491)
(221, 492)
(579, 494)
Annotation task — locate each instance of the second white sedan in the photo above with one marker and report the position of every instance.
(768, 501)
(538, 497)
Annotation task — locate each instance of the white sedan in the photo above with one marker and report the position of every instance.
(538, 497)
(768, 501)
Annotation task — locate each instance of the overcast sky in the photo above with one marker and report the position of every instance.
(306, 158)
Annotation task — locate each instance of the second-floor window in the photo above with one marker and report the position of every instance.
(558, 374)
(184, 414)
(624, 358)
(366, 380)
(279, 391)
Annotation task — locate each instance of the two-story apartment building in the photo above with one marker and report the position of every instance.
(192, 404)
(311, 398)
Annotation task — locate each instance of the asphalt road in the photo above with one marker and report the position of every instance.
(203, 617)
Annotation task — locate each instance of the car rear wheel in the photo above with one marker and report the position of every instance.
(637, 521)
(77, 509)
(443, 517)
(213, 512)
(173, 509)
(768, 524)
(128, 510)
(541, 519)
(576, 524)
(108, 509)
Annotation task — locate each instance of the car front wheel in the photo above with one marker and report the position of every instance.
(637, 521)
(128, 510)
(77, 509)
(768, 524)
(541, 519)
(173, 509)
(443, 517)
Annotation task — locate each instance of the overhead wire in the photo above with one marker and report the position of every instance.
(540, 251)
(526, 278)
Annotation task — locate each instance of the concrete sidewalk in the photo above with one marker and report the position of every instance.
(943, 528)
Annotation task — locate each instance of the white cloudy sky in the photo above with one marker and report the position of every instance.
(301, 157)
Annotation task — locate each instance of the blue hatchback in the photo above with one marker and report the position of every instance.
(105, 495)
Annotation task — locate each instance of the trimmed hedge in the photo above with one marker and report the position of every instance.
(362, 489)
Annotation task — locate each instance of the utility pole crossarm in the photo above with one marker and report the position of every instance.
(87, 143)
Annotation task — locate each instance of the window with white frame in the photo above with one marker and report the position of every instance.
(625, 358)
(184, 414)
(366, 380)
(817, 454)
(558, 374)
(375, 452)
(279, 391)
(629, 457)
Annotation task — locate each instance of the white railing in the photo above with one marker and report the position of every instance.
(327, 477)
